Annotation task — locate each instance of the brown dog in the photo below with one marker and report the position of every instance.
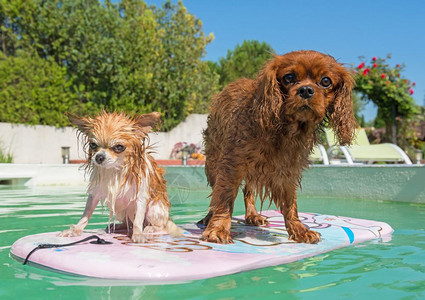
(262, 131)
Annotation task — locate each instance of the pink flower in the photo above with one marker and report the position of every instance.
(411, 92)
(374, 58)
(375, 65)
(382, 76)
(366, 71)
(361, 65)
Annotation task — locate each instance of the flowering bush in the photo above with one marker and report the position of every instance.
(191, 150)
(382, 84)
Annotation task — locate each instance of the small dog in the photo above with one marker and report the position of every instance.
(262, 131)
(123, 174)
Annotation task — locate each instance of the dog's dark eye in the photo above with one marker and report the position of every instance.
(288, 78)
(326, 82)
(118, 148)
(93, 146)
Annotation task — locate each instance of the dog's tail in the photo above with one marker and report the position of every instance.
(173, 229)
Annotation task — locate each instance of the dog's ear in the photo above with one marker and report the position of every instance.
(147, 121)
(84, 124)
(268, 97)
(341, 115)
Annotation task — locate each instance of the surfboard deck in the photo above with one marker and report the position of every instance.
(174, 259)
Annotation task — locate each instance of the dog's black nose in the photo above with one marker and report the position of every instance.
(306, 92)
(100, 158)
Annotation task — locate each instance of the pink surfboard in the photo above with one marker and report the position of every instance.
(169, 259)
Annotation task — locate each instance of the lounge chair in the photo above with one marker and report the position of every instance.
(362, 151)
(319, 154)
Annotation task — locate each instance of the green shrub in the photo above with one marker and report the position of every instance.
(5, 157)
(35, 91)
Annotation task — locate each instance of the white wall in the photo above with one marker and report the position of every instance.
(41, 144)
(190, 131)
(38, 144)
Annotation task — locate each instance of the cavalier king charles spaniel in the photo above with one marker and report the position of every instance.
(262, 131)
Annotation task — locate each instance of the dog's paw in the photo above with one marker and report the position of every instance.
(219, 236)
(73, 231)
(255, 220)
(139, 238)
(307, 236)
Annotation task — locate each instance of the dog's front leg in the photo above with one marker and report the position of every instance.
(139, 219)
(76, 230)
(296, 230)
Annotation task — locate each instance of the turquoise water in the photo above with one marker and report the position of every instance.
(390, 270)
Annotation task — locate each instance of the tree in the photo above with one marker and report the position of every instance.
(124, 56)
(183, 82)
(137, 58)
(244, 61)
(12, 13)
(83, 36)
(391, 93)
(358, 106)
(35, 91)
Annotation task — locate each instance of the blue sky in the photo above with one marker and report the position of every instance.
(343, 29)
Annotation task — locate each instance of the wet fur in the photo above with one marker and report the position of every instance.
(130, 183)
(261, 132)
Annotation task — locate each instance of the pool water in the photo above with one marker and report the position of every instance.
(390, 270)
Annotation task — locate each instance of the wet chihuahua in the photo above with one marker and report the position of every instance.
(123, 174)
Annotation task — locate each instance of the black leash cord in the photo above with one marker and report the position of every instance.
(45, 246)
